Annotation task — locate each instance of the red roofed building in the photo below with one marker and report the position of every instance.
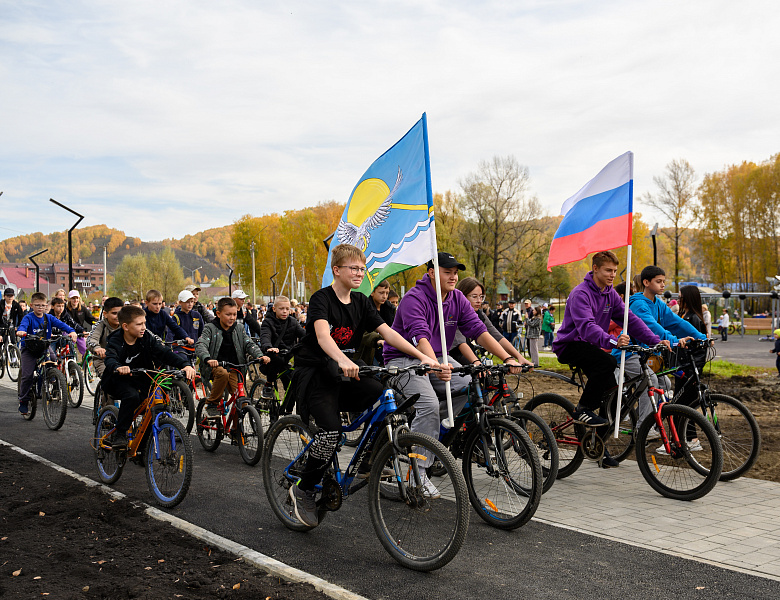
(87, 277)
(21, 280)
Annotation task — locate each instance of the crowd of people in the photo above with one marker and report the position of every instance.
(340, 329)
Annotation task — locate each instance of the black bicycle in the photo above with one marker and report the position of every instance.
(672, 465)
(10, 356)
(49, 383)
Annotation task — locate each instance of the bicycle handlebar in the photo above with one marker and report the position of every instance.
(175, 373)
(225, 364)
(419, 369)
(480, 368)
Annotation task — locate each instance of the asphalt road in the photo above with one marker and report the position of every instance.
(536, 561)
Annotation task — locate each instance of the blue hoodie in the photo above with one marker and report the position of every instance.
(660, 319)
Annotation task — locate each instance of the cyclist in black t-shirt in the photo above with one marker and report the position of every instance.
(335, 323)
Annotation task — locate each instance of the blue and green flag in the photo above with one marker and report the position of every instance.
(389, 215)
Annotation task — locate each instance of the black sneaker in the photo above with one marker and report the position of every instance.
(24, 408)
(213, 410)
(117, 440)
(588, 417)
(304, 506)
(607, 462)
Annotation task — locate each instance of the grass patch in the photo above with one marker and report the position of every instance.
(724, 368)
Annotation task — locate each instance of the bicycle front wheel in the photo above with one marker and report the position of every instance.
(739, 435)
(168, 460)
(181, 405)
(686, 472)
(75, 385)
(543, 439)
(557, 412)
(109, 463)
(250, 431)
(13, 362)
(424, 525)
(504, 479)
(55, 398)
(91, 378)
(284, 449)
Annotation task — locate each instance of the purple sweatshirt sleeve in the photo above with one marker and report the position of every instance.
(636, 326)
(581, 312)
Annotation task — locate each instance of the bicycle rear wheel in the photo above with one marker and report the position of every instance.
(169, 463)
(505, 479)
(75, 385)
(739, 435)
(543, 438)
(55, 398)
(109, 463)
(91, 378)
(13, 362)
(250, 442)
(621, 448)
(3, 358)
(210, 430)
(32, 401)
(181, 405)
(683, 474)
(284, 448)
(426, 529)
(557, 412)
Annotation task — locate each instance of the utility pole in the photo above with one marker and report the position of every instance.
(254, 296)
(292, 273)
(105, 270)
(37, 268)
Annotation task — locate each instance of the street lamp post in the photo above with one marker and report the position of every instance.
(192, 272)
(70, 240)
(254, 296)
(37, 268)
(230, 279)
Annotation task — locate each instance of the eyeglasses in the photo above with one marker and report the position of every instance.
(39, 305)
(355, 270)
(476, 296)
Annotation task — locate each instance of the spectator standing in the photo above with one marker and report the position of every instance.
(723, 325)
(532, 333)
(510, 322)
(707, 319)
(548, 327)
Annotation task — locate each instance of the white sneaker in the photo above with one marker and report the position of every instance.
(430, 489)
(654, 434)
(661, 450)
(695, 446)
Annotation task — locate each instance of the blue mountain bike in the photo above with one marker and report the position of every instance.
(422, 530)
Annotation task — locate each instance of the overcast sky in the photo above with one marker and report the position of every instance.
(167, 118)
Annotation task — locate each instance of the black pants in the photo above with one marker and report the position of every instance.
(276, 366)
(598, 366)
(325, 399)
(130, 390)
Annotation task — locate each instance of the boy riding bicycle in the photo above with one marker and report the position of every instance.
(336, 320)
(98, 337)
(417, 320)
(158, 320)
(584, 334)
(39, 324)
(278, 332)
(133, 347)
(223, 340)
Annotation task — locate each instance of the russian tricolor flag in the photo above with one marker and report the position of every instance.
(599, 216)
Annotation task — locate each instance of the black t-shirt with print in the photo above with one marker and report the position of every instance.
(348, 322)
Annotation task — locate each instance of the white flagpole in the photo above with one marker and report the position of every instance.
(621, 377)
(450, 420)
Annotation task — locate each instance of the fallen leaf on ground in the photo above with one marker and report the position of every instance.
(148, 568)
(41, 514)
(162, 560)
(17, 573)
(238, 585)
(85, 588)
(38, 577)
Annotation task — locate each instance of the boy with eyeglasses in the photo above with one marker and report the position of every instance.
(39, 324)
(337, 318)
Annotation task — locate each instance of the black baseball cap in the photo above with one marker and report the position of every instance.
(446, 261)
(9, 292)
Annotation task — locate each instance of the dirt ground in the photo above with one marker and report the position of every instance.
(61, 539)
(760, 395)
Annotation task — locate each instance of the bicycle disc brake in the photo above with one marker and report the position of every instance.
(593, 446)
(332, 496)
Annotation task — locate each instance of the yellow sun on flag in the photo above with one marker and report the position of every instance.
(368, 196)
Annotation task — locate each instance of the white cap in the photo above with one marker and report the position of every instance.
(73, 294)
(185, 295)
(239, 294)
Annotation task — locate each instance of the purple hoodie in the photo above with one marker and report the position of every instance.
(588, 313)
(417, 317)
